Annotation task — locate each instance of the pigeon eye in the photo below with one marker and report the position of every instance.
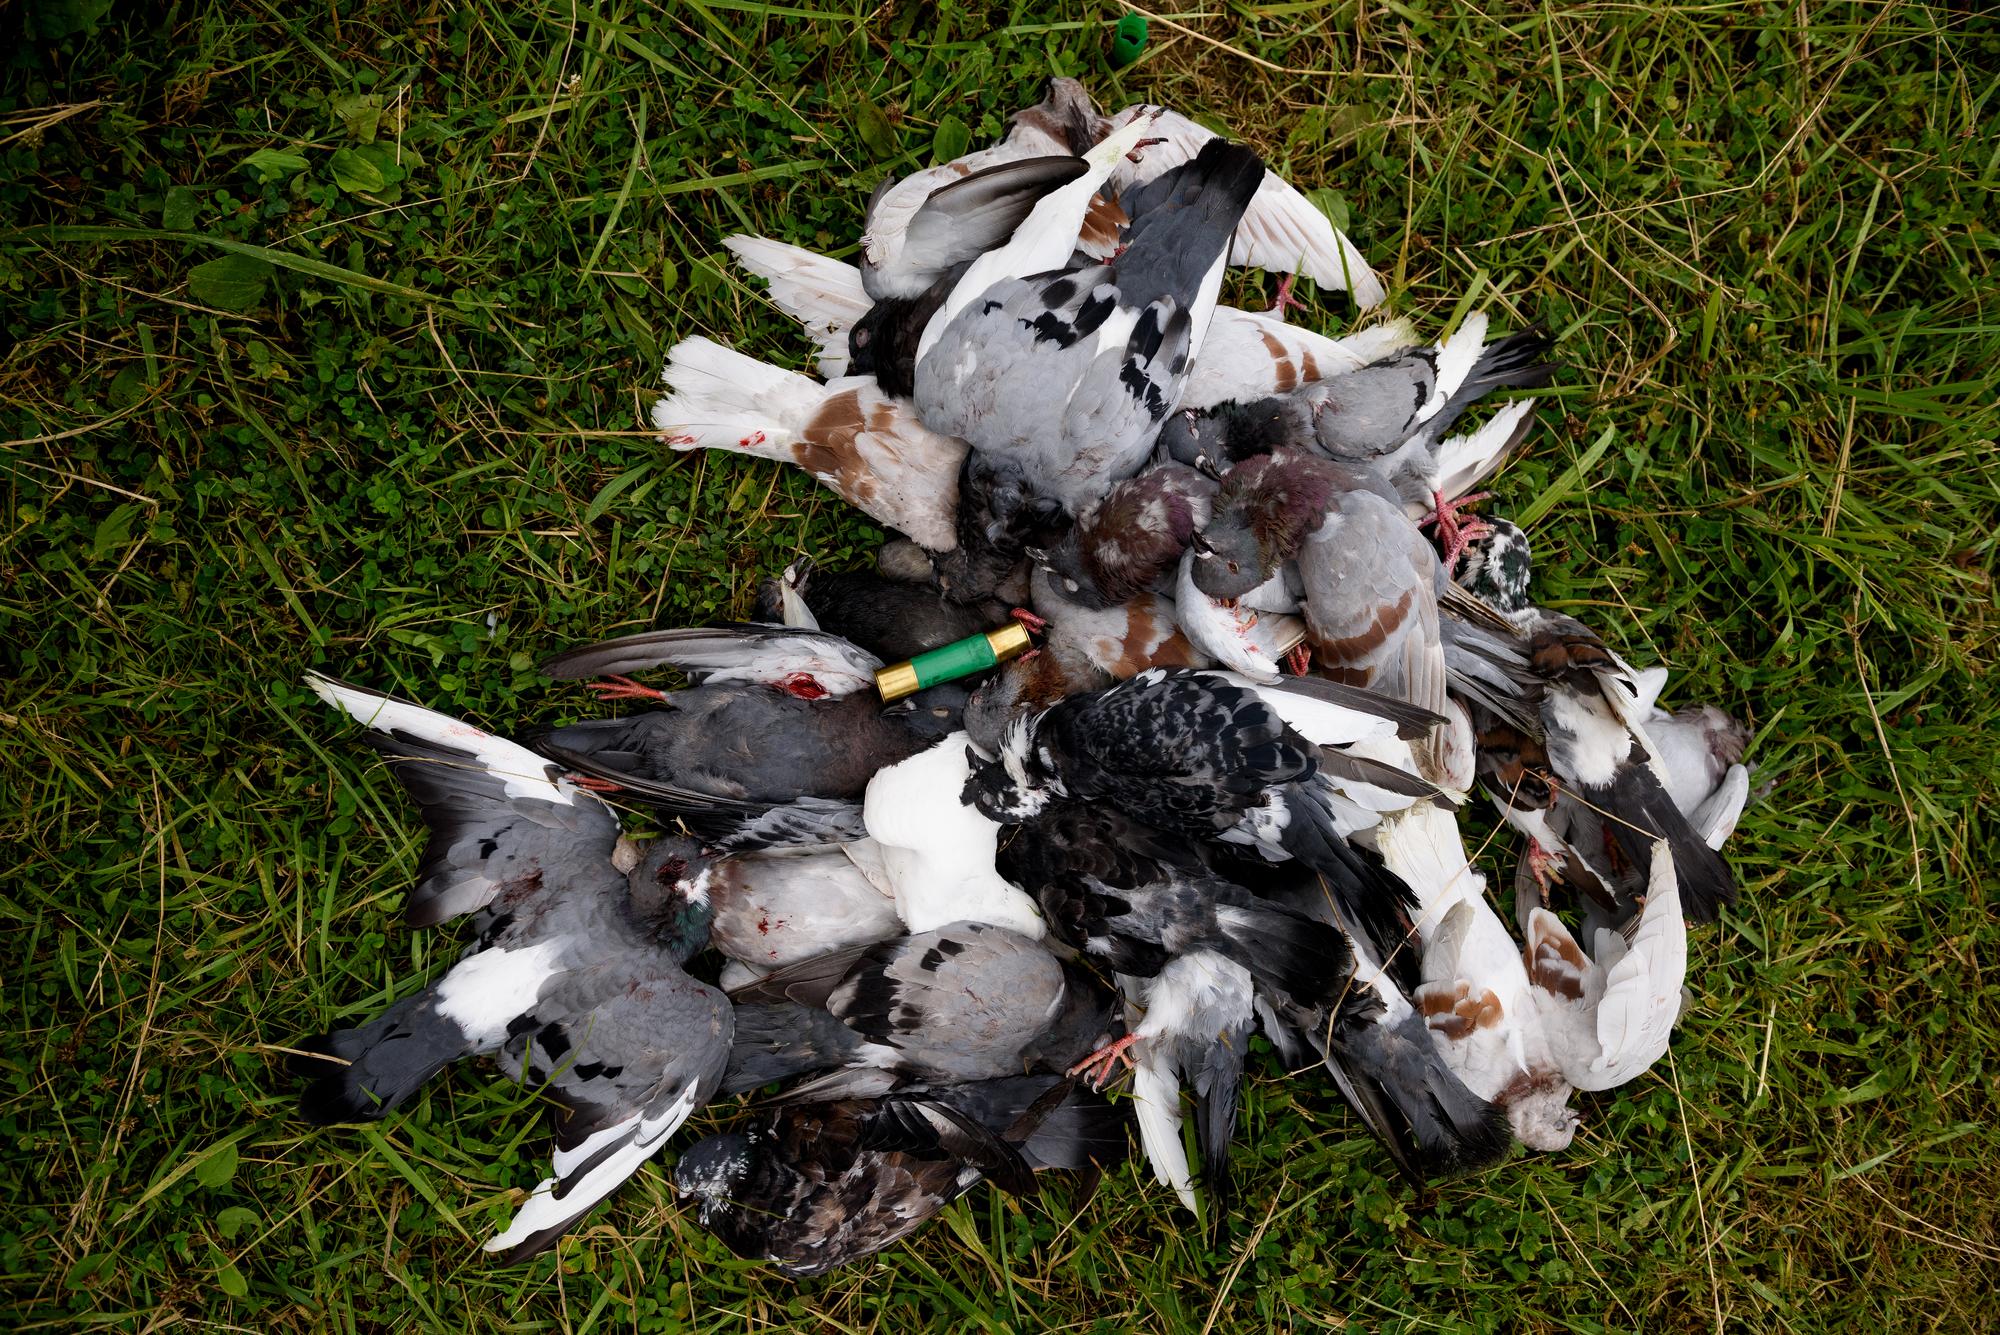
(1232, 567)
(861, 338)
(1069, 586)
(940, 713)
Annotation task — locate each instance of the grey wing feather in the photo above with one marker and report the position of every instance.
(747, 651)
(481, 838)
(972, 215)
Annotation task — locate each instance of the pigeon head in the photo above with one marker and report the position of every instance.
(1542, 1118)
(1233, 431)
(1065, 570)
(935, 712)
(1004, 789)
(1497, 566)
(670, 886)
(1066, 113)
(883, 343)
(1028, 684)
(1267, 507)
(713, 1170)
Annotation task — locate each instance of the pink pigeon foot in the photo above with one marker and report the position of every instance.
(1036, 625)
(1543, 866)
(1299, 659)
(1453, 532)
(1106, 1060)
(623, 688)
(1286, 301)
(591, 783)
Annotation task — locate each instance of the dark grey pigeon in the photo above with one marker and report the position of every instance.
(1589, 743)
(775, 747)
(1190, 949)
(965, 1002)
(574, 979)
(890, 618)
(1069, 374)
(814, 1186)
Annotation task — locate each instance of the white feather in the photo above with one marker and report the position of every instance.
(938, 850)
(824, 295)
(1457, 356)
(522, 773)
(483, 994)
(543, 1210)
(1045, 240)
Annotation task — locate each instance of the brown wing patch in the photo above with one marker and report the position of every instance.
(1284, 375)
(1103, 223)
(827, 448)
(1556, 964)
(1451, 1008)
(1518, 766)
(1553, 654)
(1151, 640)
(1342, 654)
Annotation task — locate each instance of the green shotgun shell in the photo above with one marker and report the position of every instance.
(974, 653)
(1128, 41)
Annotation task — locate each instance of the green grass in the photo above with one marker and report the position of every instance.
(375, 399)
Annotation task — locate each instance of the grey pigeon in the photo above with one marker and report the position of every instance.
(573, 981)
(969, 1001)
(1068, 375)
(775, 747)
(1370, 581)
(890, 618)
(1391, 416)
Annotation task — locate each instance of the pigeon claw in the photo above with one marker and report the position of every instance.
(1036, 625)
(591, 783)
(1285, 300)
(1454, 532)
(1299, 660)
(1104, 1063)
(1542, 865)
(624, 688)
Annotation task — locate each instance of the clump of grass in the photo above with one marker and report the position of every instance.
(330, 340)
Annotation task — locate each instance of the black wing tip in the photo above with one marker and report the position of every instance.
(331, 1097)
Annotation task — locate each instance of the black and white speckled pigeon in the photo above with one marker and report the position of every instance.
(890, 618)
(1590, 745)
(1391, 416)
(1190, 949)
(1067, 374)
(574, 981)
(1248, 354)
(971, 1001)
(1208, 755)
(775, 746)
(815, 1186)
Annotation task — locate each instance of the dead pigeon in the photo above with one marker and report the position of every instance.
(574, 979)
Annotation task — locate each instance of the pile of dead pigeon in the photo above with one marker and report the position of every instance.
(1148, 734)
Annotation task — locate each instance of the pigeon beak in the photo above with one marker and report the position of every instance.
(1206, 467)
(1202, 549)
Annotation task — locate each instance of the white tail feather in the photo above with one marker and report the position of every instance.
(1156, 1106)
(1457, 356)
(1469, 458)
(824, 295)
